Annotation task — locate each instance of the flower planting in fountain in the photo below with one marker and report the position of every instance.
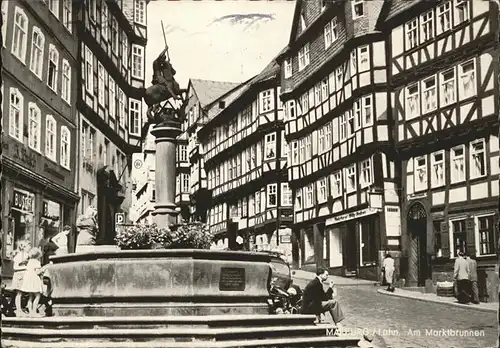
(193, 235)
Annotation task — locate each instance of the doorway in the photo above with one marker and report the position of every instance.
(417, 232)
(350, 248)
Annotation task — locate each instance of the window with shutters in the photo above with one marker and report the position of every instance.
(459, 237)
(486, 230)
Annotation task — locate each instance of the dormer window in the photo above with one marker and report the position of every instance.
(358, 9)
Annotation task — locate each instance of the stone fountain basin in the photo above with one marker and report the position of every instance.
(159, 282)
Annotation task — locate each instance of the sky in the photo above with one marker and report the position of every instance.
(218, 40)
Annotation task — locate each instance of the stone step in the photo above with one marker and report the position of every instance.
(216, 321)
(307, 342)
(166, 334)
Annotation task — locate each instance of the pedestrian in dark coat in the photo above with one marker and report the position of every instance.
(316, 301)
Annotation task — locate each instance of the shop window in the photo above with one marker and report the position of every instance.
(51, 217)
(22, 211)
(459, 237)
(368, 242)
(486, 235)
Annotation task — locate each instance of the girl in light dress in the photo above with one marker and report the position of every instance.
(20, 262)
(32, 282)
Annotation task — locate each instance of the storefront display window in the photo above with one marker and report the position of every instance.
(50, 220)
(369, 242)
(21, 218)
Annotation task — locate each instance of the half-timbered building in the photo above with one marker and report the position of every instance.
(201, 94)
(245, 161)
(182, 170)
(443, 61)
(111, 53)
(341, 165)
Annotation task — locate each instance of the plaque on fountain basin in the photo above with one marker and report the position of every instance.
(159, 282)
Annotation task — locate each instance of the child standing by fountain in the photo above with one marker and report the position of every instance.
(20, 261)
(32, 283)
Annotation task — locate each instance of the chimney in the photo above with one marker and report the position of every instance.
(222, 104)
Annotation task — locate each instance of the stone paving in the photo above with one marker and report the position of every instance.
(401, 322)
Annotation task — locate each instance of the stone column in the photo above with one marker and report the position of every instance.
(166, 135)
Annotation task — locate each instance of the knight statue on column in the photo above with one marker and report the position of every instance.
(164, 87)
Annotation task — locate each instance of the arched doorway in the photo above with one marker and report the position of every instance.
(417, 232)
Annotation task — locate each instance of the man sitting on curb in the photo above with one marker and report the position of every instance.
(316, 301)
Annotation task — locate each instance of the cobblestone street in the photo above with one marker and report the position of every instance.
(392, 318)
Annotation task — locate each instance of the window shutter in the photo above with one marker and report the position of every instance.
(470, 240)
(445, 239)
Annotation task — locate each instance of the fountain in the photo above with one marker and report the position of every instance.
(107, 297)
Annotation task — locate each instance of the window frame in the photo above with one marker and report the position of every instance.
(355, 3)
(351, 171)
(266, 101)
(322, 190)
(443, 82)
(135, 106)
(19, 49)
(65, 130)
(427, 26)
(416, 96)
(453, 158)
(298, 204)
(112, 97)
(443, 11)
(478, 234)
(66, 82)
(36, 118)
(89, 69)
(363, 58)
(286, 195)
(466, 9)
(425, 90)
(5, 12)
(20, 110)
(435, 180)
(364, 183)
(137, 62)
(38, 69)
(304, 58)
(270, 142)
(472, 152)
(137, 12)
(271, 189)
(336, 177)
(104, 21)
(412, 34)
(453, 253)
(330, 30)
(101, 84)
(67, 15)
(416, 166)
(288, 70)
(51, 155)
(461, 88)
(54, 60)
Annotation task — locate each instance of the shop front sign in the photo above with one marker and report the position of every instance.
(350, 216)
(23, 201)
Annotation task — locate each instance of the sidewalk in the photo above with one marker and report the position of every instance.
(450, 301)
(340, 281)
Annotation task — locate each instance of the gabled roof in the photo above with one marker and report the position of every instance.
(269, 72)
(295, 21)
(208, 91)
